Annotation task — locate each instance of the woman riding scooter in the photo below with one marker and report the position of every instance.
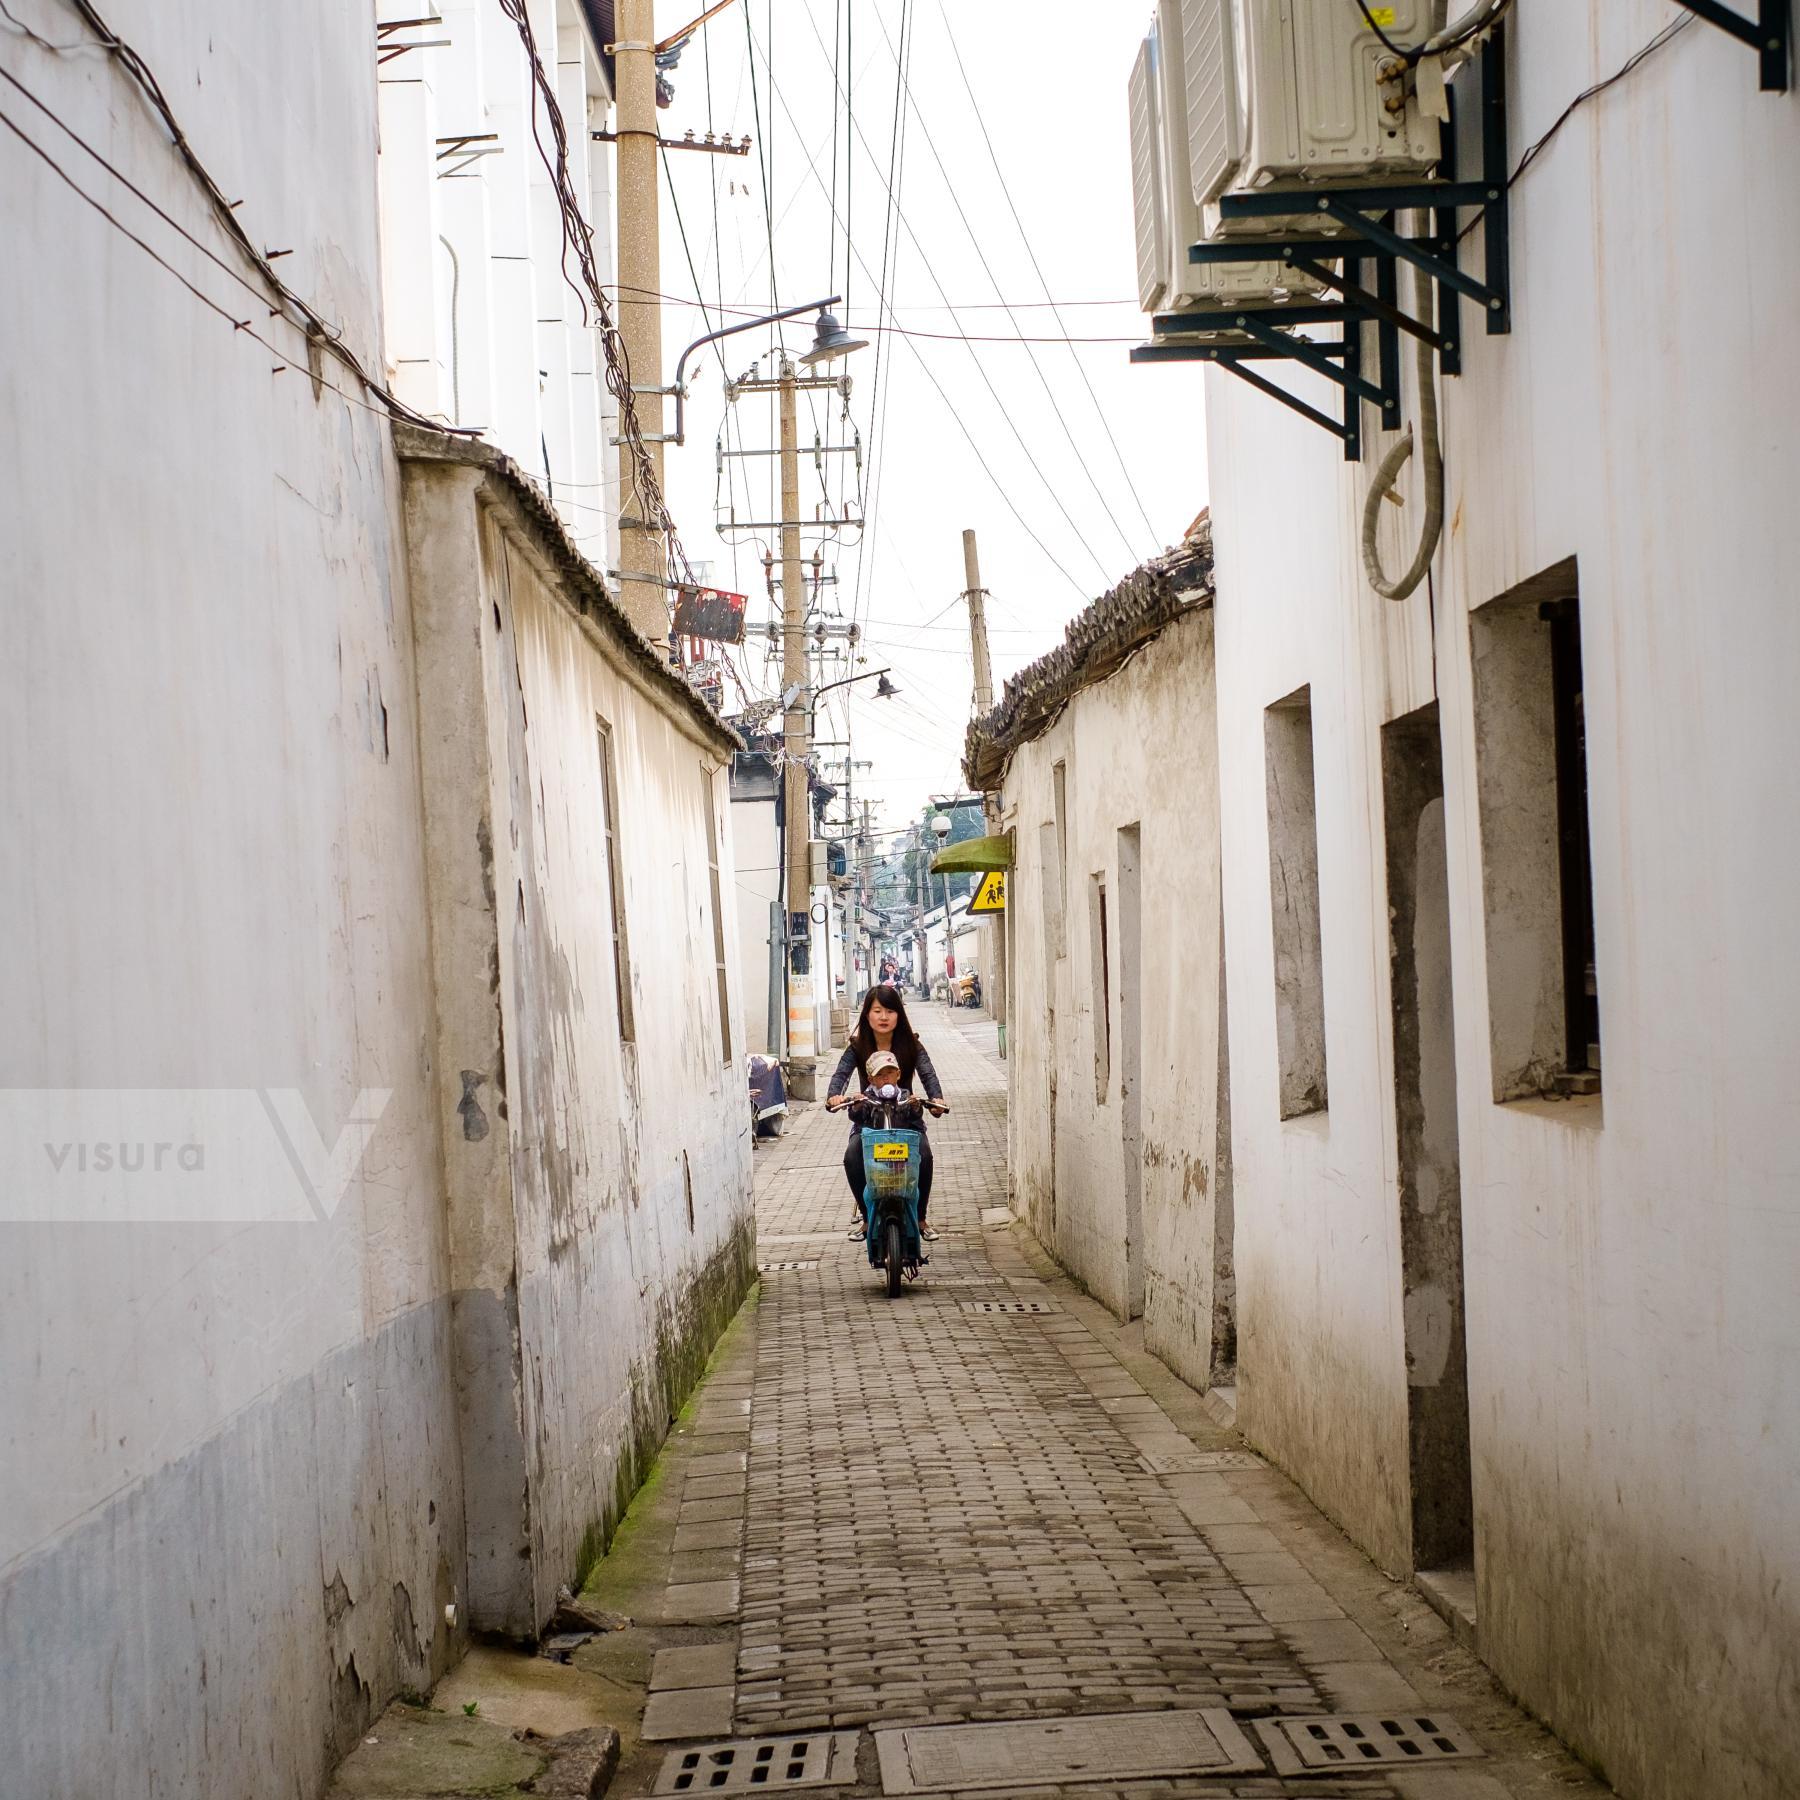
(882, 1026)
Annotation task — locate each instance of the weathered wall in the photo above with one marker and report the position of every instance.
(756, 876)
(1628, 1259)
(482, 327)
(1137, 749)
(230, 1506)
(599, 1187)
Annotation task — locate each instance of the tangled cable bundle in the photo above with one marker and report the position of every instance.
(578, 236)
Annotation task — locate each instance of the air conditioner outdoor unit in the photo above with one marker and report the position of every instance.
(1168, 218)
(1288, 94)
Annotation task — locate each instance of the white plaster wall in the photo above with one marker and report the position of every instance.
(483, 329)
(756, 852)
(1138, 749)
(619, 1282)
(1629, 1263)
(230, 1511)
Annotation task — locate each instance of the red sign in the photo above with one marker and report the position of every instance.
(710, 613)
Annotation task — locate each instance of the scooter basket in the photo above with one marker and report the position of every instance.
(891, 1161)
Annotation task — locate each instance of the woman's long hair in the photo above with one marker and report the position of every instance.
(905, 1046)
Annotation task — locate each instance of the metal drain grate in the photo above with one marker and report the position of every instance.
(747, 1765)
(1364, 1741)
(776, 1268)
(1010, 1306)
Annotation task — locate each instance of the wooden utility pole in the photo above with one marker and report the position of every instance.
(976, 595)
(802, 1070)
(643, 562)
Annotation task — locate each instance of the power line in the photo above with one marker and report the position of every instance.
(206, 300)
(1043, 282)
(884, 297)
(1005, 412)
(328, 339)
(949, 405)
(1037, 368)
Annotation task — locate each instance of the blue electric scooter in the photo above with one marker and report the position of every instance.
(893, 1155)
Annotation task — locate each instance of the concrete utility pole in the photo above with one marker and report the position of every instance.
(643, 564)
(976, 595)
(921, 887)
(802, 1071)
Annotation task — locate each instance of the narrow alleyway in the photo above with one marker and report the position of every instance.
(982, 1502)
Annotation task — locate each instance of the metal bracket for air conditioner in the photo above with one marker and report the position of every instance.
(1366, 229)
(1769, 34)
(1270, 340)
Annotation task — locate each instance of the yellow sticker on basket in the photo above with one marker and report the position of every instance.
(1381, 15)
(891, 1152)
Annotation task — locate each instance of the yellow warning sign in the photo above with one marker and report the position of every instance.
(990, 895)
(1381, 15)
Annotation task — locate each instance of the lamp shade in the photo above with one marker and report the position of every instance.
(830, 341)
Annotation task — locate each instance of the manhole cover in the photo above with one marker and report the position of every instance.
(743, 1765)
(1010, 1306)
(1107, 1747)
(776, 1268)
(1364, 1740)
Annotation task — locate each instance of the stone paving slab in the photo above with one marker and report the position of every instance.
(939, 1516)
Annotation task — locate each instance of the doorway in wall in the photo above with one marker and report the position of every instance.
(1222, 1375)
(1131, 1060)
(1426, 1141)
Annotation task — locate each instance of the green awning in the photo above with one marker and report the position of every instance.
(973, 856)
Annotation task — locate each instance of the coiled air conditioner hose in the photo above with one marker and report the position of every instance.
(1396, 459)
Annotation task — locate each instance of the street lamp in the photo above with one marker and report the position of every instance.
(839, 343)
(886, 691)
(940, 825)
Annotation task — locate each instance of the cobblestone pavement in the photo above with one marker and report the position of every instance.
(924, 1512)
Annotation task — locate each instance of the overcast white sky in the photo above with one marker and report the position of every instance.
(1061, 514)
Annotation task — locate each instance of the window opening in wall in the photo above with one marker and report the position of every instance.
(1131, 1058)
(1537, 860)
(1051, 878)
(615, 883)
(1059, 781)
(1581, 999)
(1294, 904)
(1101, 967)
(718, 911)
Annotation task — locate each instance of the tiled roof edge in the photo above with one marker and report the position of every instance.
(1095, 645)
(586, 585)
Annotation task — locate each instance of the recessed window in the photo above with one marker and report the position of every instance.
(1099, 959)
(615, 882)
(718, 911)
(1537, 863)
(1059, 785)
(1294, 903)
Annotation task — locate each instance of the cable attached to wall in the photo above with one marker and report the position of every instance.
(1399, 454)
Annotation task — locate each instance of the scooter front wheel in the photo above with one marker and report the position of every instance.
(894, 1266)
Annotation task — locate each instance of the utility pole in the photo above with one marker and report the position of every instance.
(921, 883)
(990, 803)
(643, 563)
(802, 1070)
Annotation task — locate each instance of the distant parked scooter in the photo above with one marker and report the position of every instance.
(893, 1146)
